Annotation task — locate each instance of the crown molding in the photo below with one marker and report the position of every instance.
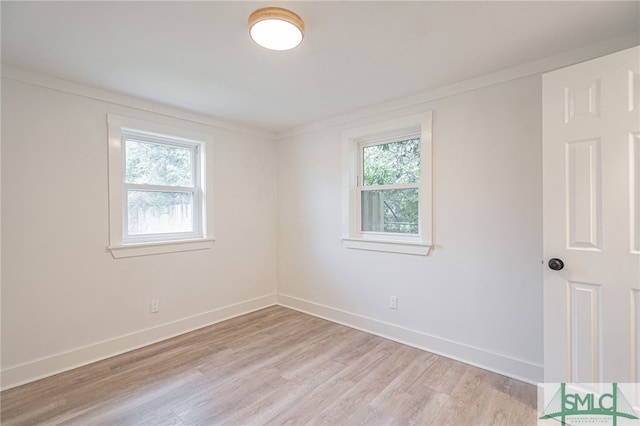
(540, 66)
(10, 72)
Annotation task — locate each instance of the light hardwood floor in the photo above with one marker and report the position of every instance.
(278, 367)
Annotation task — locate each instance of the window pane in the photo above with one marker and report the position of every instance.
(155, 164)
(155, 212)
(390, 163)
(391, 210)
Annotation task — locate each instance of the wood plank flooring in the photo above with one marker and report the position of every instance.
(277, 367)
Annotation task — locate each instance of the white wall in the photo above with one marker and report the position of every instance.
(478, 297)
(65, 300)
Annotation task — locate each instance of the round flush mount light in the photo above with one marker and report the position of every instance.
(276, 28)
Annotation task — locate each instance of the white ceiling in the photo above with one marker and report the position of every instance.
(198, 56)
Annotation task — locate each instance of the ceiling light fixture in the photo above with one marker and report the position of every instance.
(276, 28)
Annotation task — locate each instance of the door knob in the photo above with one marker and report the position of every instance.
(556, 264)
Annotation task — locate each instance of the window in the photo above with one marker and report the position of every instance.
(389, 185)
(157, 186)
(387, 195)
(162, 187)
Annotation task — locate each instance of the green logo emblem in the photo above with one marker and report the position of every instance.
(565, 404)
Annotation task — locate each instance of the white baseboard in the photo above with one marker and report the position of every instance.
(33, 370)
(502, 364)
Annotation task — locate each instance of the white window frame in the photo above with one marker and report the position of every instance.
(353, 140)
(121, 244)
(195, 190)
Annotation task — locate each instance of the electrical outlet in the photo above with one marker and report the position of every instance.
(155, 306)
(393, 302)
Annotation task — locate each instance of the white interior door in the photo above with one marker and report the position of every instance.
(591, 131)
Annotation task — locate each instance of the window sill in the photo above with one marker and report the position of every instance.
(391, 246)
(147, 249)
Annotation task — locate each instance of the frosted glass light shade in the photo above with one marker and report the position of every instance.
(276, 28)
